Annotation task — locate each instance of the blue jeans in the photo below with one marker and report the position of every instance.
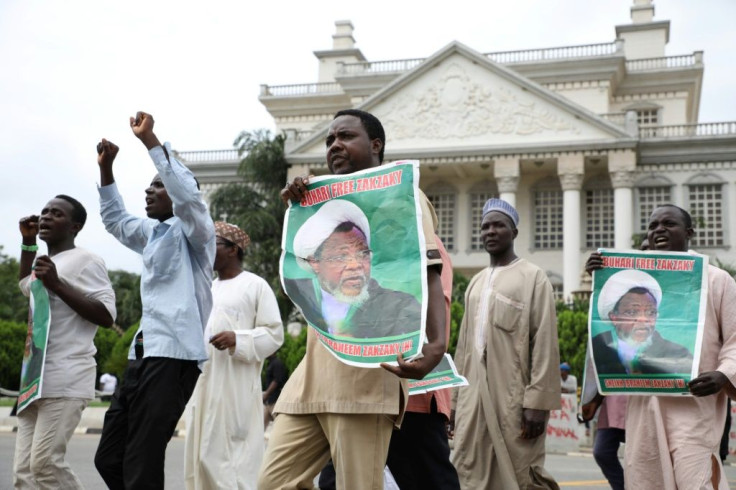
(605, 452)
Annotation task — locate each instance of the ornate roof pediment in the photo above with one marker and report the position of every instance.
(460, 101)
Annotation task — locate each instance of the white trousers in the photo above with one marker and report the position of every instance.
(44, 430)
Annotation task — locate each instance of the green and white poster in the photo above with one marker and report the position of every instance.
(444, 375)
(646, 320)
(34, 357)
(354, 262)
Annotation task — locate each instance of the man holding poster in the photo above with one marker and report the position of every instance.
(79, 297)
(342, 298)
(630, 299)
(329, 408)
(673, 442)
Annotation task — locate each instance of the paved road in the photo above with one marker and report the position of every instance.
(574, 471)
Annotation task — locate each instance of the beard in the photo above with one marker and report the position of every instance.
(636, 344)
(353, 300)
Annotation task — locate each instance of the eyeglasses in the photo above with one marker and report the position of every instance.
(342, 259)
(634, 313)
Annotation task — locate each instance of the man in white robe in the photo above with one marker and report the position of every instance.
(224, 445)
(673, 442)
(508, 351)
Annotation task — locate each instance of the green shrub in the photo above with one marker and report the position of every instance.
(572, 329)
(12, 345)
(457, 310)
(13, 305)
(293, 350)
(118, 358)
(105, 340)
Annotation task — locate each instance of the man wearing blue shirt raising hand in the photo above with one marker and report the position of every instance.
(177, 243)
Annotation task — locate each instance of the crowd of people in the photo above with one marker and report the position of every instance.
(202, 343)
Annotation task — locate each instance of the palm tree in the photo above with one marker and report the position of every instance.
(255, 205)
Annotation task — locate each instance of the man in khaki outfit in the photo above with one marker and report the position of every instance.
(327, 408)
(508, 351)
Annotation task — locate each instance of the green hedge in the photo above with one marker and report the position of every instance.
(118, 359)
(572, 329)
(12, 345)
(105, 340)
(293, 349)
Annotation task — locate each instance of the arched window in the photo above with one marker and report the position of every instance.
(705, 201)
(598, 212)
(479, 194)
(444, 198)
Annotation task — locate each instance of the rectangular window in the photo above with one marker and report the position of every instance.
(649, 199)
(477, 200)
(707, 212)
(599, 218)
(647, 117)
(548, 219)
(444, 206)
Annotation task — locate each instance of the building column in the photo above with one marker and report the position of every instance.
(572, 236)
(571, 169)
(507, 189)
(621, 166)
(506, 172)
(623, 208)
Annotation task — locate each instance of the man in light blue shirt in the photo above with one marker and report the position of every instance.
(177, 243)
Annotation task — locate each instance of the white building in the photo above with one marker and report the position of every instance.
(584, 140)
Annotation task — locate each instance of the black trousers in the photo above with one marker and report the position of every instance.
(419, 454)
(141, 420)
(605, 452)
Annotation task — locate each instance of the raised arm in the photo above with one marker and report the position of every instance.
(28, 231)
(106, 153)
(180, 185)
(131, 231)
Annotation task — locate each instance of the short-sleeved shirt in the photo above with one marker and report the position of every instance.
(323, 384)
(70, 371)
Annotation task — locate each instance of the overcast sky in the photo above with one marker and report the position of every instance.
(72, 72)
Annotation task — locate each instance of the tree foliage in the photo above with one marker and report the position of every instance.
(255, 205)
(117, 360)
(457, 310)
(572, 330)
(293, 349)
(13, 305)
(105, 340)
(127, 286)
(12, 345)
(459, 285)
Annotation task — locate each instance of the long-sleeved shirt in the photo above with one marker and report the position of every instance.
(178, 255)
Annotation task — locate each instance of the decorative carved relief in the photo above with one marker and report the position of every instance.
(507, 184)
(622, 179)
(456, 106)
(571, 182)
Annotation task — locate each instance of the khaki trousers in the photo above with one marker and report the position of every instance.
(44, 430)
(300, 446)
